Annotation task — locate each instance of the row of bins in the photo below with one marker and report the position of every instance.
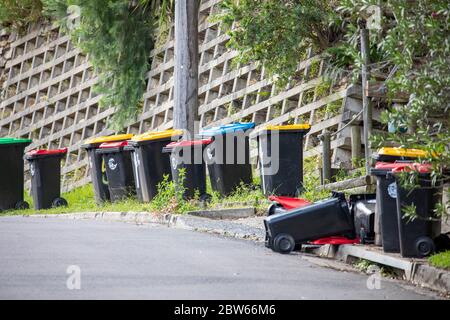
(126, 165)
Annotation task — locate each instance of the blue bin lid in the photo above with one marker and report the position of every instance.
(227, 128)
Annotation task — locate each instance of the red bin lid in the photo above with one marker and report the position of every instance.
(419, 167)
(107, 145)
(189, 143)
(388, 165)
(43, 152)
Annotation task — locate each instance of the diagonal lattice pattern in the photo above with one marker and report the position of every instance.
(47, 94)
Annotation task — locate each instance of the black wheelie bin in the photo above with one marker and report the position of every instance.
(12, 173)
(330, 217)
(417, 236)
(228, 156)
(119, 169)
(150, 164)
(280, 152)
(188, 167)
(45, 169)
(98, 175)
(386, 207)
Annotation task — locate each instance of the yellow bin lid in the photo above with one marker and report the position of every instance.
(401, 152)
(302, 126)
(155, 135)
(118, 137)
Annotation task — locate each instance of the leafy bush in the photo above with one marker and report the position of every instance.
(277, 33)
(440, 260)
(18, 14)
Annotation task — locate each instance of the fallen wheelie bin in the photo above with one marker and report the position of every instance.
(280, 151)
(321, 219)
(45, 169)
(188, 167)
(12, 173)
(150, 164)
(416, 236)
(228, 156)
(98, 175)
(119, 169)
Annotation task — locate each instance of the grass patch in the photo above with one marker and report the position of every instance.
(170, 199)
(367, 266)
(82, 200)
(440, 260)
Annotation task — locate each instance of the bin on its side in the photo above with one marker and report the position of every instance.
(330, 217)
(150, 164)
(45, 169)
(12, 173)
(119, 169)
(416, 236)
(228, 156)
(187, 155)
(281, 159)
(98, 177)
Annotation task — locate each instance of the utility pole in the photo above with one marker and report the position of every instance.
(186, 67)
(367, 108)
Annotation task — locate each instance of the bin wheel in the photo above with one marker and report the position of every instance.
(59, 202)
(22, 205)
(283, 243)
(424, 246)
(272, 208)
(206, 197)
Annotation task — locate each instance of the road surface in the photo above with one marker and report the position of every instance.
(43, 258)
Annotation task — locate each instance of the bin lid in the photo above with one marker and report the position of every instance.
(156, 135)
(297, 127)
(401, 152)
(227, 128)
(14, 140)
(289, 203)
(44, 152)
(419, 167)
(117, 144)
(188, 143)
(102, 139)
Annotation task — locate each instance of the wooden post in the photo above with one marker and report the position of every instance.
(325, 137)
(367, 108)
(356, 144)
(186, 67)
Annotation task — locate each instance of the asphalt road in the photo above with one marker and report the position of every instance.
(123, 261)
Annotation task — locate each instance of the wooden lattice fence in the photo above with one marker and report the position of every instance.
(47, 94)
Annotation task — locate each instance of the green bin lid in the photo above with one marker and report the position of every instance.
(14, 141)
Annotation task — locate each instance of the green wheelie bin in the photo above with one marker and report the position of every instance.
(12, 173)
